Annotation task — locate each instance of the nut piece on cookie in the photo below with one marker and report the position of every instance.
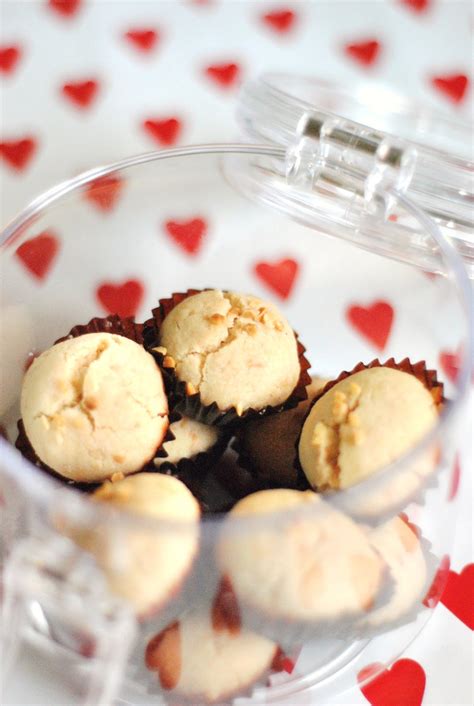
(145, 565)
(311, 564)
(235, 350)
(362, 424)
(268, 445)
(204, 664)
(94, 405)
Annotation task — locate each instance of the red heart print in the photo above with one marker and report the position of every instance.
(225, 75)
(281, 20)
(65, 8)
(450, 363)
(455, 478)
(39, 253)
(225, 611)
(401, 685)
(82, 93)
(104, 192)
(373, 322)
(417, 5)
(165, 131)
(458, 595)
(163, 656)
(122, 299)
(453, 87)
(365, 53)
(9, 57)
(187, 234)
(282, 663)
(18, 153)
(142, 39)
(435, 591)
(279, 276)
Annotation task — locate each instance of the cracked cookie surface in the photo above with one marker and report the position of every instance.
(93, 406)
(362, 424)
(235, 350)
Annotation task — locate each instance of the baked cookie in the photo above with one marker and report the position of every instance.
(206, 663)
(235, 350)
(363, 423)
(93, 406)
(144, 558)
(295, 558)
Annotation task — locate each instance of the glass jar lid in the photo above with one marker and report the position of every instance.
(347, 151)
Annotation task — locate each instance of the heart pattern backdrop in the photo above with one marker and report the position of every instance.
(140, 76)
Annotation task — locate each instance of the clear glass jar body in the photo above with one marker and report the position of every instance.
(56, 597)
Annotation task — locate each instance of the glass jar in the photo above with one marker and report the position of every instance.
(59, 610)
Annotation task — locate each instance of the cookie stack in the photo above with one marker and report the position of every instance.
(208, 407)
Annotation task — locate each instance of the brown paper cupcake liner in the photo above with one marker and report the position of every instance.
(245, 461)
(191, 405)
(235, 479)
(342, 499)
(111, 324)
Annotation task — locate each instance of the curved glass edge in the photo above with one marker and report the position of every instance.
(41, 487)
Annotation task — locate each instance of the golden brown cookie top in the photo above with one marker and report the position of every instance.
(236, 350)
(363, 423)
(94, 405)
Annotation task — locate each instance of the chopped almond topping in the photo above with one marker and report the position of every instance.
(279, 326)
(353, 419)
(217, 319)
(340, 407)
(319, 435)
(190, 389)
(248, 314)
(91, 403)
(353, 393)
(251, 329)
(169, 362)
